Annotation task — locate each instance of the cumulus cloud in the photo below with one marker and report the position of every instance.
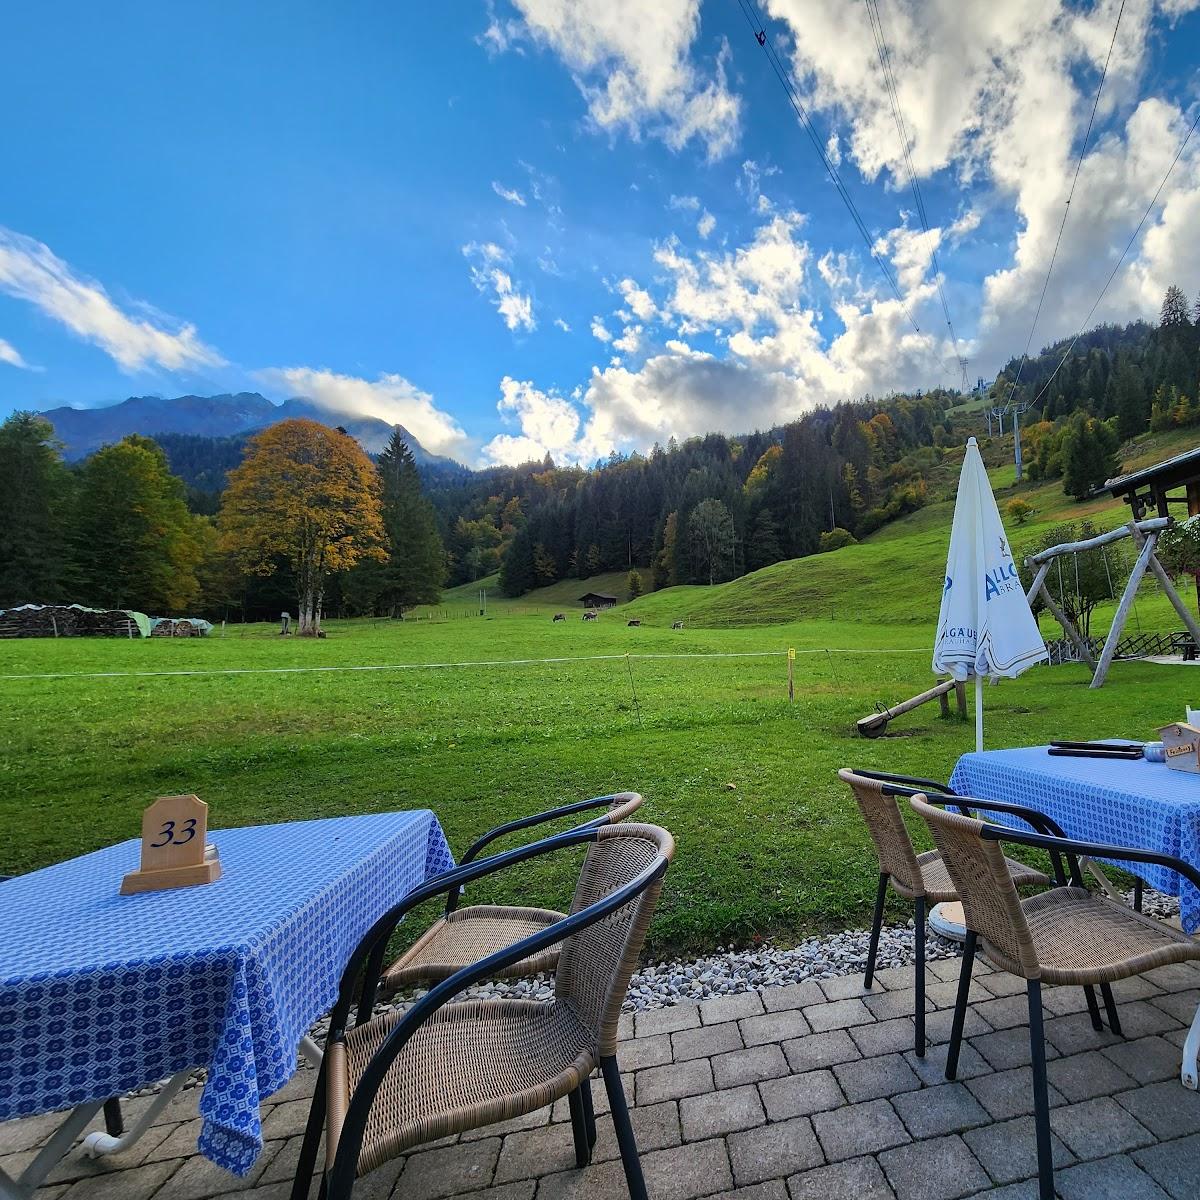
(549, 425)
(706, 224)
(12, 356)
(391, 398)
(31, 271)
(1000, 97)
(634, 64)
(509, 194)
(489, 275)
(600, 330)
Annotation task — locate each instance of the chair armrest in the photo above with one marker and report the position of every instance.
(1000, 833)
(345, 1162)
(373, 944)
(553, 814)
(911, 781)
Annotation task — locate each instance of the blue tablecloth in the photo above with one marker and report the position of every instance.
(1123, 803)
(102, 993)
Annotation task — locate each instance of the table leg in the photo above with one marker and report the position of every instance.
(100, 1144)
(1191, 1047)
(48, 1157)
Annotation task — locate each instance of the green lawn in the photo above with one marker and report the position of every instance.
(780, 853)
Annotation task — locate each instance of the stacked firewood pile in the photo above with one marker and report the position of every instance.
(68, 620)
(179, 627)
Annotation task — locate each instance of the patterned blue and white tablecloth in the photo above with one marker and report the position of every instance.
(1123, 802)
(102, 993)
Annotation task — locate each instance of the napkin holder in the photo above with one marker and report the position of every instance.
(175, 849)
(1181, 745)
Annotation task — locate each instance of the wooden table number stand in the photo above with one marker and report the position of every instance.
(1181, 744)
(175, 850)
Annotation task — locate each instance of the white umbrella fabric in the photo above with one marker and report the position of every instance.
(985, 626)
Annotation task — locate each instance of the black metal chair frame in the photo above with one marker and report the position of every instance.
(553, 814)
(366, 964)
(1072, 849)
(912, 785)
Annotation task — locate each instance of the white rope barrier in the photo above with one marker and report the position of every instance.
(439, 666)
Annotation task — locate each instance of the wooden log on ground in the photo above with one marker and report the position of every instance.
(874, 725)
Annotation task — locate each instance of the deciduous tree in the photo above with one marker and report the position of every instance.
(137, 546)
(308, 494)
(711, 532)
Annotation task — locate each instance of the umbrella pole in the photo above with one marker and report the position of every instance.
(979, 712)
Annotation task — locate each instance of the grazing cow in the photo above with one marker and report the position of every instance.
(631, 624)
(677, 625)
(560, 616)
(589, 616)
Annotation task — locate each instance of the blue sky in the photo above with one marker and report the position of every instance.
(568, 226)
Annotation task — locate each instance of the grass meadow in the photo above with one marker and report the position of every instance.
(780, 853)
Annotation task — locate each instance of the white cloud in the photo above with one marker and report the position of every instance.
(600, 331)
(562, 325)
(12, 356)
(31, 271)
(684, 203)
(391, 398)
(509, 194)
(489, 276)
(1000, 96)
(706, 224)
(634, 65)
(638, 300)
(630, 341)
(549, 425)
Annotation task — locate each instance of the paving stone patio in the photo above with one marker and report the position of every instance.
(807, 1092)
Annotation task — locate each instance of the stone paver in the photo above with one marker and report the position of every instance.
(800, 1095)
(837, 1014)
(772, 1151)
(748, 1066)
(859, 1129)
(731, 1008)
(935, 1169)
(706, 1041)
(793, 1093)
(875, 1078)
(717, 1113)
(860, 1178)
(1116, 1178)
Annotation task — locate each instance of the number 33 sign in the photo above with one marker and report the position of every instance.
(174, 850)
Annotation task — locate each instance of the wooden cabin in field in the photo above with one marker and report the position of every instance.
(597, 600)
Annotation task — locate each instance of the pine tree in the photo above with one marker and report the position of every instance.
(664, 561)
(763, 548)
(416, 564)
(1130, 401)
(1174, 311)
(1089, 455)
(545, 570)
(35, 492)
(635, 584)
(137, 546)
(517, 574)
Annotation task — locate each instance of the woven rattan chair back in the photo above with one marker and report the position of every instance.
(624, 804)
(893, 846)
(981, 877)
(595, 964)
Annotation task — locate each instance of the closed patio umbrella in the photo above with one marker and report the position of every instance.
(985, 626)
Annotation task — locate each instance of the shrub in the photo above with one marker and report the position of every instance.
(836, 538)
(1019, 510)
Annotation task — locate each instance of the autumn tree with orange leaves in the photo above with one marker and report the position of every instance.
(307, 494)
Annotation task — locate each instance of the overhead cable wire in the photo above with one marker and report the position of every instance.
(750, 12)
(1124, 253)
(889, 77)
(1066, 208)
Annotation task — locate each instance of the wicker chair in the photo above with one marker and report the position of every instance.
(396, 1081)
(465, 935)
(921, 878)
(1065, 935)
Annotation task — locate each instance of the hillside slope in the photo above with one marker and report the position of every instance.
(894, 576)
